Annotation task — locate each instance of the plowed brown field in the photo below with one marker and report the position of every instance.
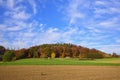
(59, 72)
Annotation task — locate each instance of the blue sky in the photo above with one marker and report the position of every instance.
(89, 23)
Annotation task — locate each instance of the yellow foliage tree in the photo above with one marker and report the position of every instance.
(63, 55)
(53, 55)
(81, 56)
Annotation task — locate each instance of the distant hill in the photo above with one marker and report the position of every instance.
(62, 50)
(58, 50)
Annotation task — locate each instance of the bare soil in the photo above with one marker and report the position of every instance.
(59, 72)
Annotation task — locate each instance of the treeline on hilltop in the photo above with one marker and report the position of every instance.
(59, 50)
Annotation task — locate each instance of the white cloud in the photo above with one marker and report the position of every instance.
(101, 11)
(115, 10)
(16, 28)
(34, 6)
(10, 4)
(19, 44)
(8, 28)
(50, 36)
(110, 48)
(12, 25)
(118, 40)
(110, 10)
(18, 13)
(42, 26)
(29, 34)
(53, 35)
(16, 16)
(2, 26)
(107, 24)
(21, 15)
(52, 30)
(112, 23)
(73, 12)
(107, 7)
(100, 3)
(1, 2)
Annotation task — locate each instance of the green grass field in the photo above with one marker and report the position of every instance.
(61, 61)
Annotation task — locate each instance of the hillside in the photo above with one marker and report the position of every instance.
(64, 50)
(58, 50)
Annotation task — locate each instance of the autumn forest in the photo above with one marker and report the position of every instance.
(58, 50)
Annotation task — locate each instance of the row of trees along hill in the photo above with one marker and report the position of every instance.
(59, 50)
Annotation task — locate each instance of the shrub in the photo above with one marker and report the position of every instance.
(8, 56)
(1, 57)
(94, 55)
(2, 50)
(14, 58)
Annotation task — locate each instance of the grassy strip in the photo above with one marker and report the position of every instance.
(60, 61)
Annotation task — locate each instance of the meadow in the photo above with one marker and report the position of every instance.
(64, 61)
(60, 69)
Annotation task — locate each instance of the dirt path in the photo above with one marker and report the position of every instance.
(59, 73)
